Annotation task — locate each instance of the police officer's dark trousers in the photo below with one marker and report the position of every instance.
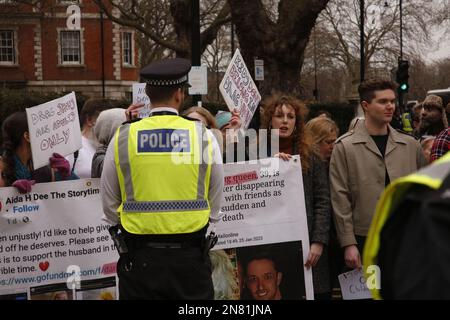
(165, 273)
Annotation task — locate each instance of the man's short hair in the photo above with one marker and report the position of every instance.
(160, 93)
(368, 87)
(264, 255)
(92, 108)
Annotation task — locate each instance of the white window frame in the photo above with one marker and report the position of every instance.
(15, 61)
(124, 63)
(81, 49)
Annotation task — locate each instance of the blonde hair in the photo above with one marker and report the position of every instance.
(223, 276)
(210, 120)
(302, 142)
(321, 128)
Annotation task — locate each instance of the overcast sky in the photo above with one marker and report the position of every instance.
(442, 49)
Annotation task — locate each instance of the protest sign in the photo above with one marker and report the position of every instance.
(139, 96)
(52, 240)
(263, 213)
(239, 90)
(198, 79)
(54, 127)
(54, 245)
(353, 285)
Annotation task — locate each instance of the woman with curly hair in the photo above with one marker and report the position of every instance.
(18, 168)
(287, 114)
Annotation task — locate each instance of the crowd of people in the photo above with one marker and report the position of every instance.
(343, 175)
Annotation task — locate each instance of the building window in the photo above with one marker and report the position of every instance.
(7, 47)
(70, 47)
(127, 48)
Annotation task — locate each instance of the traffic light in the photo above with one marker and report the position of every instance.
(403, 75)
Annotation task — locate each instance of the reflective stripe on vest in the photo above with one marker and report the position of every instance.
(406, 122)
(180, 213)
(430, 176)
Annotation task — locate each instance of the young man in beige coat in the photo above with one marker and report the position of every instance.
(364, 161)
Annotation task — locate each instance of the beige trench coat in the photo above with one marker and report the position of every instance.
(357, 176)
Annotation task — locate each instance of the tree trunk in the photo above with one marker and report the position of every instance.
(280, 44)
(181, 14)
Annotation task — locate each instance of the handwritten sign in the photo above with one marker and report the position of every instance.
(139, 96)
(198, 79)
(239, 90)
(353, 285)
(54, 127)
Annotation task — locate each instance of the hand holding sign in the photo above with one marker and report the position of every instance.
(235, 121)
(23, 185)
(132, 111)
(61, 164)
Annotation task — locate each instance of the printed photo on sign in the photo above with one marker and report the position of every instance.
(56, 291)
(97, 289)
(17, 294)
(265, 272)
(259, 199)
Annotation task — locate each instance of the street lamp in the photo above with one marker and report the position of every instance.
(361, 41)
(195, 41)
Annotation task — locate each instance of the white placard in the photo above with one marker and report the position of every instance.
(239, 90)
(198, 79)
(54, 127)
(139, 96)
(353, 285)
(259, 70)
(53, 235)
(264, 207)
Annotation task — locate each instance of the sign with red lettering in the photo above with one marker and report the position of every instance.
(239, 90)
(54, 127)
(54, 244)
(262, 230)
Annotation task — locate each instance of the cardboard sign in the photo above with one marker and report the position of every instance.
(239, 90)
(54, 127)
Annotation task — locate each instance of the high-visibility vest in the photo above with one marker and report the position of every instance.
(164, 167)
(431, 176)
(406, 122)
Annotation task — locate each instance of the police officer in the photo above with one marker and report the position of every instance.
(410, 234)
(161, 184)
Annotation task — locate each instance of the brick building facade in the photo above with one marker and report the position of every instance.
(39, 52)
